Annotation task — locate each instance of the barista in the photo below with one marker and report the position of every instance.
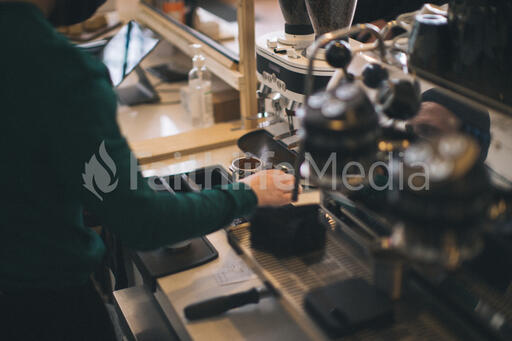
(441, 114)
(58, 108)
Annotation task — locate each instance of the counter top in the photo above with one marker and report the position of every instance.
(266, 320)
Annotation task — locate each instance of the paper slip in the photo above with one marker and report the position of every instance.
(234, 272)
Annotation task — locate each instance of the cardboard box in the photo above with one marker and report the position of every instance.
(226, 104)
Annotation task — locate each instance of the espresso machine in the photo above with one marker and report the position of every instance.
(418, 234)
(282, 58)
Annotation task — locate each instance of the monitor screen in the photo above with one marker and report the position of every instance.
(126, 50)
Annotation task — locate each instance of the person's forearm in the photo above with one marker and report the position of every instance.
(145, 219)
(151, 220)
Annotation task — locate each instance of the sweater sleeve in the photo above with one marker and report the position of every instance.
(145, 219)
(91, 154)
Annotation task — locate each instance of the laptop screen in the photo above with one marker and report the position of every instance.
(126, 50)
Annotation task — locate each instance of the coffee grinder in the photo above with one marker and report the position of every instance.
(282, 61)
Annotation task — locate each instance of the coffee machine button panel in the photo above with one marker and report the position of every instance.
(272, 78)
(281, 85)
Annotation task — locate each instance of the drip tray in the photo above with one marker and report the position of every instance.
(163, 262)
(294, 277)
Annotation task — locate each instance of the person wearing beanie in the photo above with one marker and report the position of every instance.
(441, 113)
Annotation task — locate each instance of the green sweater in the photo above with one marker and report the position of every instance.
(57, 107)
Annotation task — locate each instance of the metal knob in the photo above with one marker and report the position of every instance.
(291, 53)
(292, 105)
(399, 98)
(338, 54)
(262, 93)
(271, 43)
(277, 102)
(290, 113)
(374, 74)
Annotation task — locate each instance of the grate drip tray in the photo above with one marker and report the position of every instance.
(293, 277)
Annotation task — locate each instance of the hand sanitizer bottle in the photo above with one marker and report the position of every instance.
(200, 91)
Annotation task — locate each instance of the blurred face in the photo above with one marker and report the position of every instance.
(434, 119)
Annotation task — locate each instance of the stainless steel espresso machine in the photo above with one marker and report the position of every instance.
(418, 232)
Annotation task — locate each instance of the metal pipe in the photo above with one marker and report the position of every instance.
(324, 39)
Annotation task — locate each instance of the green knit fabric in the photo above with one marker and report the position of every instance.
(57, 107)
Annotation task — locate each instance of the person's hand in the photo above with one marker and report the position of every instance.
(272, 187)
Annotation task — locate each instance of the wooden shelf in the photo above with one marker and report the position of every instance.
(238, 73)
(195, 141)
